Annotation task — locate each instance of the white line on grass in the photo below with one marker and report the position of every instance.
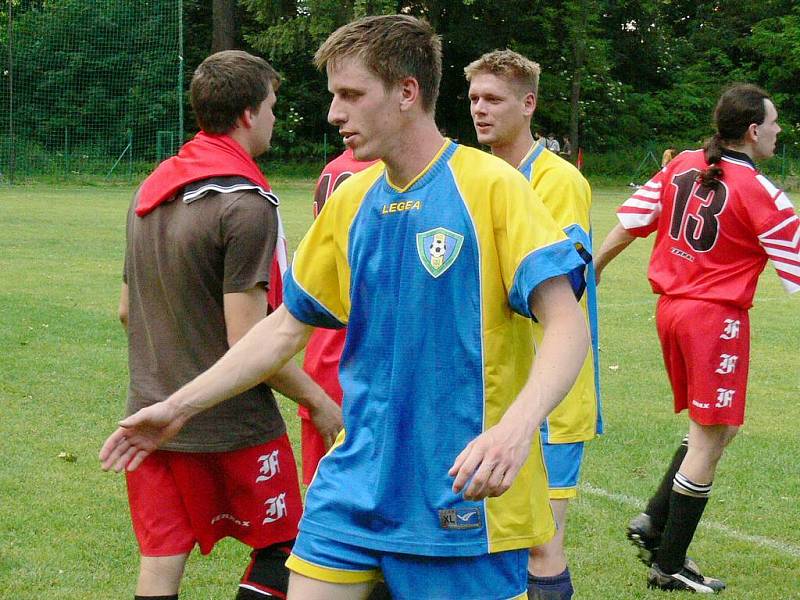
(758, 540)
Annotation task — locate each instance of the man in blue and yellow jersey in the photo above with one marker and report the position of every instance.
(502, 92)
(435, 258)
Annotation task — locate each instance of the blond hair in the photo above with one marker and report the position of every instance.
(392, 47)
(511, 66)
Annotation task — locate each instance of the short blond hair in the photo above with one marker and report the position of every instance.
(509, 65)
(392, 47)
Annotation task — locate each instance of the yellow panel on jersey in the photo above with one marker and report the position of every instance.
(568, 197)
(507, 334)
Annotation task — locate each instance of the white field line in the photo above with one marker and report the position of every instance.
(758, 540)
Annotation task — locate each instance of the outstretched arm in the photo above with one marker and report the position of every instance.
(256, 357)
(616, 241)
(493, 459)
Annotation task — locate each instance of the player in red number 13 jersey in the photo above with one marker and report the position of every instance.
(717, 221)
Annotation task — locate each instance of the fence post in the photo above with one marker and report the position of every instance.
(12, 148)
(180, 73)
(66, 151)
(130, 153)
(783, 166)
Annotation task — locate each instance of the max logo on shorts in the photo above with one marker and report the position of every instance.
(461, 518)
(438, 249)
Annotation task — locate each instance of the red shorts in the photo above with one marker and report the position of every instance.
(706, 349)
(179, 499)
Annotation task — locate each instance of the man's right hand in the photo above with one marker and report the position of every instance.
(139, 435)
(327, 418)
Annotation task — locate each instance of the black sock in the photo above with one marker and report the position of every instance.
(554, 587)
(172, 597)
(684, 515)
(266, 575)
(658, 506)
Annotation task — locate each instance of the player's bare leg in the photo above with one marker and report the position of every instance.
(549, 560)
(305, 588)
(706, 445)
(160, 575)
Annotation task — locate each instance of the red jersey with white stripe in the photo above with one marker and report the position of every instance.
(712, 244)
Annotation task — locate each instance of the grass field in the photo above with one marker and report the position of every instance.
(64, 528)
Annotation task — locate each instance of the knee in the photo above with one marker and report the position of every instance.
(728, 434)
(725, 437)
(160, 575)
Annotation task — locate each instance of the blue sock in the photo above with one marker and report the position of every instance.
(556, 587)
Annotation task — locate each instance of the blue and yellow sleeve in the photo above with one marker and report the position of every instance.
(537, 247)
(317, 286)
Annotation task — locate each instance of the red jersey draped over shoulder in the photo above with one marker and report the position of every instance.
(712, 244)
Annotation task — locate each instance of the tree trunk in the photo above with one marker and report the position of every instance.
(224, 25)
(580, 35)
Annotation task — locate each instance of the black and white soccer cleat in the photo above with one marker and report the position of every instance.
(684, 580)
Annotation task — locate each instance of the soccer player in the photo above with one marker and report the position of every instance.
(503, 89)
(200, 237)
(324, 348)
(434, 258)
(717, 221)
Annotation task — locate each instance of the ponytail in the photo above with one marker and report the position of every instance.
(713, 153)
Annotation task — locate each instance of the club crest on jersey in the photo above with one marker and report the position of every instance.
(438, 249)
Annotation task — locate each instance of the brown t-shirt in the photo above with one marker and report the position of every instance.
(179, 262)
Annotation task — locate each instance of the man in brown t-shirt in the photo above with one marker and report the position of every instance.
(200, 238)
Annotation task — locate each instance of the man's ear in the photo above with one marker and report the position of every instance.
(245, 119)
(529, 104)
(752, 133)
(409, 93)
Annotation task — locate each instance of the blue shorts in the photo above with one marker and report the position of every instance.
(563, 462)
(498, 576)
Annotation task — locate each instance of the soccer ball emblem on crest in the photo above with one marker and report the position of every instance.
(438, 249)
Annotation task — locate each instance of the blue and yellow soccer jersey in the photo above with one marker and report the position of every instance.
(433, 282)
(568, 197)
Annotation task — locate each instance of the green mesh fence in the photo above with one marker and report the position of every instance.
(88, 87)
